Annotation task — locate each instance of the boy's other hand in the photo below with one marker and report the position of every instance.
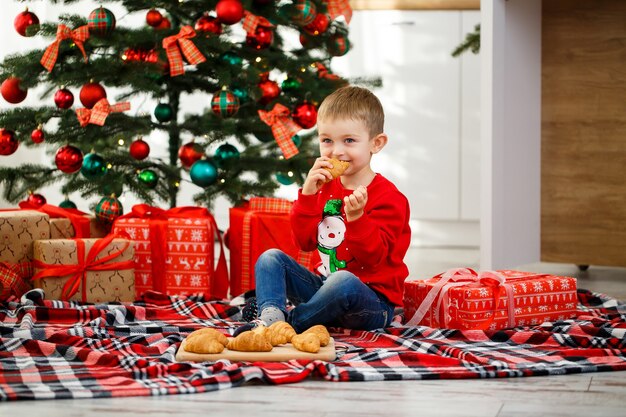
(354, 204)
(317, 176)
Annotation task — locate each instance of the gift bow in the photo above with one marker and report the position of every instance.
(13, 279)
(466, 277)
(173, 46)
(78, 272)
(340, 7)
(283, 128)
(79, 220)
(158, 221)
(251, 21)
(78, 36)
(98, 114)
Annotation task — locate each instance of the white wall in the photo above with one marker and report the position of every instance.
(511, 132)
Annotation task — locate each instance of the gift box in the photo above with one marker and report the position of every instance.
(174, 251)
(87, 270)
(465, 299)
(258, 225)
(67, 223)
(18, 230)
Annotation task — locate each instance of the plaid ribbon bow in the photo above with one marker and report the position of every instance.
(173, 46)
(338, 8)
(13, 279)
(100, 111)
(283, 128)
(323, 72)
(78, 36)
(251, 21)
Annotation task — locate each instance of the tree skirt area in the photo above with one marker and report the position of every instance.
(71, 350)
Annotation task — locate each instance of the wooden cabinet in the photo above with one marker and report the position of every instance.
(583, 155)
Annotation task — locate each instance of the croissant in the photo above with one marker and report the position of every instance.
(321, 332)
(338, 168)
(249, 342)
(205, 341)
(306, 342)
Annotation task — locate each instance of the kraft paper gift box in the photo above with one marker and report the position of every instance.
(67, 223)
(86, 270)
(465, 299)
(261, 224)
(174, 251)
(18, 230)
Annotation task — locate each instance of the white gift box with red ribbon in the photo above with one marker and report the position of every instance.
(465, 299)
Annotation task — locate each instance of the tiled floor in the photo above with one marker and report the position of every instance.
(592, 394)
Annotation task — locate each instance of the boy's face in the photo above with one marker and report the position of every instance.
(347, 140)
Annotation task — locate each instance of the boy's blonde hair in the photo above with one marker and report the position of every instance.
(354, 103)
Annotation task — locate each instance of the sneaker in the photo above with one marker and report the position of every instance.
(249, 326)
(250, 310)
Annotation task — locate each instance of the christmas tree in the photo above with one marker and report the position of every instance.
(253, 133)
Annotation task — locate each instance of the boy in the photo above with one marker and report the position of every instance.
(359, 222)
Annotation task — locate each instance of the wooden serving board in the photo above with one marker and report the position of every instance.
(280, 353)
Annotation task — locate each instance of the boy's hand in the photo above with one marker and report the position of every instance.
(354, 204)
(317, 176)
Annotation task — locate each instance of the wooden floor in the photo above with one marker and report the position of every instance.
(592, 394)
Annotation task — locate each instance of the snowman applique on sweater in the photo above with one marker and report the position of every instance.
(331, 231)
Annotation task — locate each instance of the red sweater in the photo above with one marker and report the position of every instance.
(372, 247)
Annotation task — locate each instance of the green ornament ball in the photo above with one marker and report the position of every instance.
(203, 173)
(108, 209)
(231, 58)
(101, 22)
(148, 177)
(112, 187)
(284, 179)
(67, 204)
(241, 93)
(290, 84)
(297, 140)
(264, 135)
(224, 153)
(163, 112)
(93, 167)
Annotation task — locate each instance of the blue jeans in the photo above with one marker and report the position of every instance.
(342, 300)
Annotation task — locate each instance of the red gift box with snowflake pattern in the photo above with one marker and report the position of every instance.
(174, 251)
(465, 299)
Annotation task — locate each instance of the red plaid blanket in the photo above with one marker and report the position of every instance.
(72, 350)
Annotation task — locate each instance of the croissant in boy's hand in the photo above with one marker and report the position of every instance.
(338, 168)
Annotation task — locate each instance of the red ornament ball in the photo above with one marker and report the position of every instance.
(63, 98)
(224, 103)
(69, 159)
(165, 24)
(190, 153)
(154, 17)
(304, 12)
(269, 90)
(8, 142)
(261, 38)
(37, 135)
(36, 200)
(305, 115)
(11, 90)
(24, 21)
(101, 22)
(139, 149)
(318, 25)
(338, 44)
(209, 24)
(91, 93)
(229, 12)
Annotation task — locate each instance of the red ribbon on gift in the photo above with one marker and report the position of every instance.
(81, 223)
(251, 21)
(263, 205)
(158, 222)
(78, 272)
(338, 8)
(468, 277)
(173, 46)
(100, 111)
(283, 128)
(78, 36)
(14, 279)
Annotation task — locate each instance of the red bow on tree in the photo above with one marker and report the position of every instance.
(283, 128)
(251, 21)
(338, 8)
(323, 72)
(78, 36)
(100, 111)
(173, 46)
